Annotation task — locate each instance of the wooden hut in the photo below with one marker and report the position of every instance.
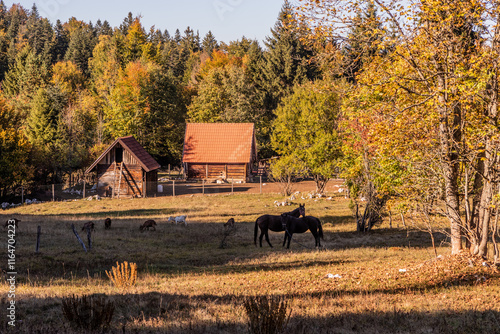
(125, 169)
(225, 151)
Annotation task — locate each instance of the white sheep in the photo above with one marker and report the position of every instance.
(178, 219)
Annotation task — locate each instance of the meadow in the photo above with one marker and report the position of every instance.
(385, 281)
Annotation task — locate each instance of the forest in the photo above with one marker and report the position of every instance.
(398, 98)
(70, 88)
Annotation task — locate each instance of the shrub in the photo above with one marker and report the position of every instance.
(266, 314)
(123, 275)
(88, 312)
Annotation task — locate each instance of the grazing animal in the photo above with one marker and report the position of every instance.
(107, 223)
(178, 220)
(147, 224)
(89, 225)
(16, 221)
(230, 223)
(300, 225)
(273, 223)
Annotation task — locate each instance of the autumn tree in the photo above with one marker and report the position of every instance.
(14, 150)
(105, 66)
(225, 93)
(306, 127)
(128, 102)
(441, 78)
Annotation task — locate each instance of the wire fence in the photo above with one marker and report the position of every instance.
(166, 187)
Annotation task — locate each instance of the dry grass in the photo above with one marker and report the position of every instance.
(387, 281)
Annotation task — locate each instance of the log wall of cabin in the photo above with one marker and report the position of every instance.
(131, 181)
(214, 171)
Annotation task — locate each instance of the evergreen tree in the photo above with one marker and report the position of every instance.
(209, 43)
(363, 41)
(177, 36)
(4, 42)
(61, 41)
(40, 36)
(81, 44)
(239, 48)
(135, 41)
(103, 28)
(166, 118)
(25, 75)
(127, 22)
(16, 17)
(286, 60)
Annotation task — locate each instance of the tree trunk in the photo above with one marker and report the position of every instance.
(472, 224)
(449, 133)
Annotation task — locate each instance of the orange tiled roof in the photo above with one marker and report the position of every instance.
(219, 143)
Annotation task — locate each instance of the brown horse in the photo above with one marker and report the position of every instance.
(16, 222)
(273, 223)
(147, 224)
(89, 225)
(230, 223)
(300, 225)
(107, 223)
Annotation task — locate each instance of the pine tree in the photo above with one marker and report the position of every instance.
(103, 28)
(4, 42)
(82, 42)
(61, 41)
(286, 60)
(209, 43)
(26, 75)
(42, 121)
(135, 41)
(127, 22)
(363, 41)
(166, 117)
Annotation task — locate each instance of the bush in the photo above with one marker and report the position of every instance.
(88, 312)
(266, 314)
(123, 275)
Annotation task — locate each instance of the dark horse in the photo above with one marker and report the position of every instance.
(273, 223)
(300, 225)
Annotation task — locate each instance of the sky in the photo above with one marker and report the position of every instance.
(229, 20)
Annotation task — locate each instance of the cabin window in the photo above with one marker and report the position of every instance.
(118, 155)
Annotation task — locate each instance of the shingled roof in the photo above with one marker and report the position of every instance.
(147, 162)
(219, 143)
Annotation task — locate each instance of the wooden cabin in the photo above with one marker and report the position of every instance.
(125, 169)
(225, 151)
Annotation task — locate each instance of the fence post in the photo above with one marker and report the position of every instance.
(260, 177)
(232, 186)
(22, 195)
(89, 238)
(173, 188)
(39, 231)
(78, 237)
(203, 186)
(53, 195)
(83, 188)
